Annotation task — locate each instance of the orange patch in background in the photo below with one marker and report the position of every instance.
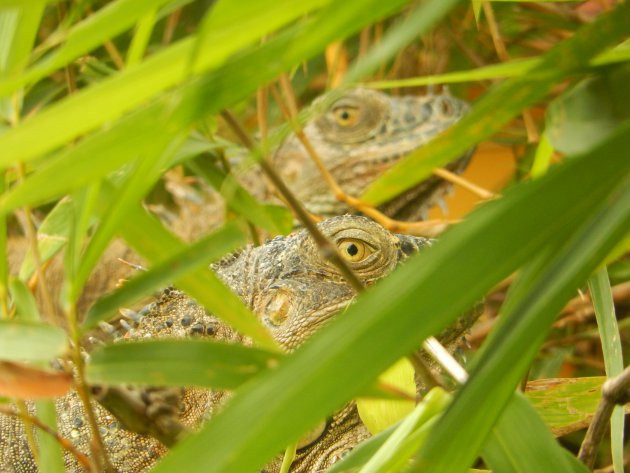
(491, 167)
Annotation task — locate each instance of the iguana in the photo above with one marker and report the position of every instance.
(358, 136)
(293, 291)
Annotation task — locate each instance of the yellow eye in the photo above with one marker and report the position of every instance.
(345, 115)
(353, 250)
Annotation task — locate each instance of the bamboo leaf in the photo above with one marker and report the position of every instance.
(601, 294)
(178, 363)
(590, 111)
(30, 341)
(566, 405)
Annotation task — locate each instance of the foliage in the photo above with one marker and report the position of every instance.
(108, 105)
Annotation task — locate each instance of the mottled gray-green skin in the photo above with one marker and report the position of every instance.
(293, 291)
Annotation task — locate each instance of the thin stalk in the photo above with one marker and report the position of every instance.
(97, 446)
(502, 53)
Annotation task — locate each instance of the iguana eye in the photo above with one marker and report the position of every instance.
(345, 115)
(354, 250)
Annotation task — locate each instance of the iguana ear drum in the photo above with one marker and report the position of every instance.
(354, 118)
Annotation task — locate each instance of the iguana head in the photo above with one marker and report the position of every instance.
(360, 135)
(293, 289)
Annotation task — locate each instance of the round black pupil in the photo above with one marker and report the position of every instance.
(352, 249)
(345, 115)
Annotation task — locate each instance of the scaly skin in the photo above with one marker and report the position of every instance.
(292, 290)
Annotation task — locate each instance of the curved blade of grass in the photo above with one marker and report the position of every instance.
(200, 254)
(348, 354)
(50, 452)
(503, 103)
(504, 70)
(601, 294)
(513, 344)
(141, 37)
(178, 363)
(30, 341)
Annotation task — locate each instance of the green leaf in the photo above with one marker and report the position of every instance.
(515, 67)
(50, 452)
(521, 442)
(30, 341)
(200, 254)
(502, 103)
(586, 114)
(131, 191)
(566, 405)
(52, 235)
(601, 294)
(370, 335)
(178, 363)
(25, 305)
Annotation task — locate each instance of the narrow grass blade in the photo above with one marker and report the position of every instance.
(197, 255)
(502, 103)
(504, 70)
(178, 363)
(50, 452)
(601, 294)
(30, 341)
